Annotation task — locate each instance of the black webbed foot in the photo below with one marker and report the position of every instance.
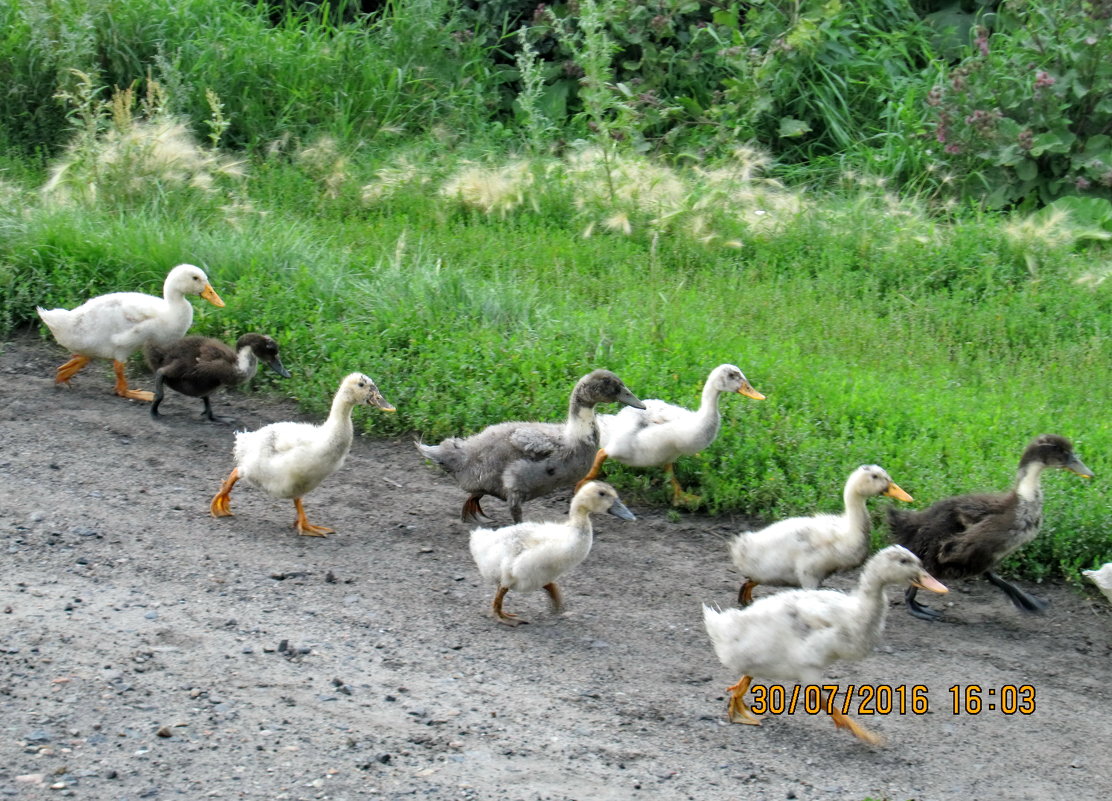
(1024, 602)
(916, 609)
(212, 418)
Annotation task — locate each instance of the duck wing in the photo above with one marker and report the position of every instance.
(213, 364)
(213, 351)
(657, 412)
(193, 365)
(964, 530)
(537, 442)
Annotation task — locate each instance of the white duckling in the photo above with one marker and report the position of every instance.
(517, 461)
(803, 551)
(1102, 578)
(116, 325)
(792, 636)
(532, 555)
(288, 460)
(661, 432)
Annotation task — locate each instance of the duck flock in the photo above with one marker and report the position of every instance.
(788, 636)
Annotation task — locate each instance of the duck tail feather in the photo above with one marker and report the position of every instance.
(446, 454)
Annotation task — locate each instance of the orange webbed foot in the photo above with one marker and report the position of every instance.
(68, 370)
(123, 390)
(307, 529)
(737, 710)
(221, 504)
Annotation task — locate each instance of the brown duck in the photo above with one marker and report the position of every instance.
(969, 535)
(198, 366)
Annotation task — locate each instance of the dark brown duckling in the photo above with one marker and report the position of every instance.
(198, 366)
(516, 461)
(969, 535)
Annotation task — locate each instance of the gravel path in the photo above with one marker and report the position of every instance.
(148, 650)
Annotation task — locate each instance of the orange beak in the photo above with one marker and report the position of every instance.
(209, 294)
(747, 390)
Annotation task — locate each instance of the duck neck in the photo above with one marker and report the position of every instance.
(856, 514)
(1028, 483)
(180, 310)
(581, 422)
(707, 416)
(872, 609)
(338, 428)
(579, 521)
(247, 363)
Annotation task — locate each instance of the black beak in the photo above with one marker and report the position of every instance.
(276, 365)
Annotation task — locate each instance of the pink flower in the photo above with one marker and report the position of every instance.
(982, 41)
(1043, 80)
(953, 148)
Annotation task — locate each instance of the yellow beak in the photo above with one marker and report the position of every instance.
(894, 491)
(209, 294)
(748, 391)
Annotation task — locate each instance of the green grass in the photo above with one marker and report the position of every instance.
(877, 334)
(283, 80)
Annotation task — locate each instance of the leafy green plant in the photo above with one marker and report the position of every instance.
(1025, 117)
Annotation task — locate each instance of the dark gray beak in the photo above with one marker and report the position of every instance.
(1077, 466)
(618, 509)
(276, 365)
(629, 399)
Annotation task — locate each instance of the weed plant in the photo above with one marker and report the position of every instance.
(1026, 114)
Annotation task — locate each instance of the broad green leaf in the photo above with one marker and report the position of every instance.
(725, 18)
(1057, 141)
(1026, 170)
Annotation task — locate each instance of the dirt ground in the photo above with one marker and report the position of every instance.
(148, 650)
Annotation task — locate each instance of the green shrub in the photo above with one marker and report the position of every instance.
(1025, 117)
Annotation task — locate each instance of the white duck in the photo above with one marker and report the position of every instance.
(287, 460)
(116, 325)
(662, 432)
(532, 555)
(803, 551)
(1102, 578)
(792, 636)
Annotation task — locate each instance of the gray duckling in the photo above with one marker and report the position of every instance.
(517, 461)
